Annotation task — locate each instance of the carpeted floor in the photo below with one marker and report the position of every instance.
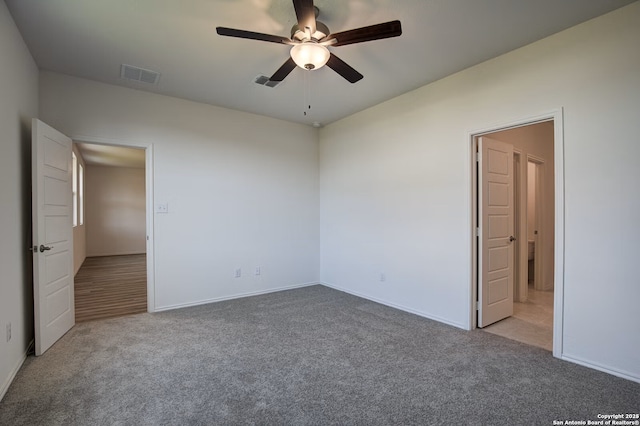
(311, 356)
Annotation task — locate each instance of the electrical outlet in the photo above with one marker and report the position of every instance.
(383, 277)
(257, 271)
(238, 273)
(8, 332)
(162, 208)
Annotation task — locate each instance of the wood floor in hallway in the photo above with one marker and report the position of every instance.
(111, 286)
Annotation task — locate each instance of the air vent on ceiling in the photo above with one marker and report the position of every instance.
(129, 72)
(263, 80)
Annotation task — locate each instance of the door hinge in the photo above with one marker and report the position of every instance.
(477, 157)
(476, 305)
(477, 232)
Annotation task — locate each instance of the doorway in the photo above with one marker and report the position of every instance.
(536, 232)
(536, 208)
(112, 260)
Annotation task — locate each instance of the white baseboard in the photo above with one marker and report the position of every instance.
(14, 371)
(397, 306)
(124, 253)
(605, 369)
(231, 297)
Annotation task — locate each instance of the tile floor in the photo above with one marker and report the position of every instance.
(532, 321)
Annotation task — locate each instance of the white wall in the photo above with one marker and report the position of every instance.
(18, 104)
(242, 190)
(395, 185)
(79, 231)
(115, 211)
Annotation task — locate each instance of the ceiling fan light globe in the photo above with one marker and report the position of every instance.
(310, 56)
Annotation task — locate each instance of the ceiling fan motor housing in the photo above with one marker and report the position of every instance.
(299, 34)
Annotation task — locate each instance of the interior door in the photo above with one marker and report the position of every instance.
(495, 218)
(54, 312)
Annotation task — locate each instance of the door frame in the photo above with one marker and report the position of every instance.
(520, 284)
(148, 170)
(558, 295)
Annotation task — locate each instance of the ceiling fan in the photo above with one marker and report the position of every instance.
(310, 39)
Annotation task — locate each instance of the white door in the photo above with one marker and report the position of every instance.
(54, 312)
(495, 245)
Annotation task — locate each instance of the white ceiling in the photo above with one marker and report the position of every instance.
(111, 156)
(91, 39)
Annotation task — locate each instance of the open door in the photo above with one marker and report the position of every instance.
(54, 312)
(495, 242)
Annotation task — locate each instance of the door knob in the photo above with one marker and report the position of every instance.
(512, 238)
(43, 248)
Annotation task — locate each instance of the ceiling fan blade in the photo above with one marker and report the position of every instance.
(372, 32)
(306, 14)
(283, 71)
(230, 32)
(344, 69)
